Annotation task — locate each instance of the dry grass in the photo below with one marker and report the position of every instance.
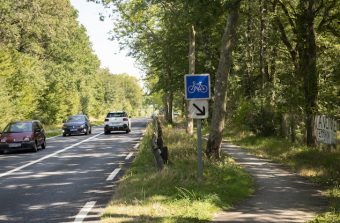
(173, 194)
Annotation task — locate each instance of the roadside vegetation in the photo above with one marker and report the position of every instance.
(145, 194)
(50, 73)
(318, 165)
(52, 130)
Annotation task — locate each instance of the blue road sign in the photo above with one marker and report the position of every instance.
(197, 86)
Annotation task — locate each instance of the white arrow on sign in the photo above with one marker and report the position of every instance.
(198, 109)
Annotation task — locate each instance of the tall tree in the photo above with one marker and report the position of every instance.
(224, 67)
(192, 60)
(301, 19)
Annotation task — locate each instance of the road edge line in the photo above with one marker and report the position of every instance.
(84, 211)
(129, 156)
(113, 174)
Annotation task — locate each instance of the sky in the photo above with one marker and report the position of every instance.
(107, 51)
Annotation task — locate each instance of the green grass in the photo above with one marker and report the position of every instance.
(97, 123)
(173, 194)
(322, 167)
(52, 130)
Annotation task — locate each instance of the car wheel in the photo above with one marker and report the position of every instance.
(106, 132)
(64, 134)
(35, 147)
(90, 132)
(43, 145)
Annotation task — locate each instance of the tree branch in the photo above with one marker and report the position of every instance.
(290, 20)
(318, 9)
(285, 40)
(326, 17)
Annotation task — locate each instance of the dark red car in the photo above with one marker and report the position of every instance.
(23, 135)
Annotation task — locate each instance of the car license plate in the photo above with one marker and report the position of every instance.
(73, 130)
(14, 145)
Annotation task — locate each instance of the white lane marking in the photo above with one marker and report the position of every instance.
(84, 211)
(129, 156)
(46, 157)
(113, 174)
(136, 146)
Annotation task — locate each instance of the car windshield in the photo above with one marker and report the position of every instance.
(18, 127)
(116, 114)
(76, 119)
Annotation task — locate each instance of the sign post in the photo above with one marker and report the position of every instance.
(197, 91)
(199, 151)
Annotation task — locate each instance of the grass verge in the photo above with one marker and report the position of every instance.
(97, 123)
(52, 130)
(319, 166)
(173, 194)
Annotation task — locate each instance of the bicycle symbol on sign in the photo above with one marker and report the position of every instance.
(199, 87)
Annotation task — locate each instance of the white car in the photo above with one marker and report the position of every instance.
(117, 121)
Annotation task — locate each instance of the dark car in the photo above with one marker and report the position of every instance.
(23, 135)
(77, 124)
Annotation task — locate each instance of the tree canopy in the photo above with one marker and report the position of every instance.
(48, 69)
(283, 70)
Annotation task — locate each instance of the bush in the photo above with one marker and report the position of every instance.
(261, 120)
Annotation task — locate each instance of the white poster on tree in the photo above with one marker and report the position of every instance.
(325, 128)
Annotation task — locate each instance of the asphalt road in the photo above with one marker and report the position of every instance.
(72, 180)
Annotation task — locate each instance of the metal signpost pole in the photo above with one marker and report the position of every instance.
(197, 91)
(199, 151)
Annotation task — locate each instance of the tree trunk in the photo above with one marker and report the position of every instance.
(192, 45)
(284, 125)
(292, 124)
(224, 66)
(170, 101)
(306, 47)
(183, 107)
(272, 74)
(166, 105)
(263, 43)
(248, 55)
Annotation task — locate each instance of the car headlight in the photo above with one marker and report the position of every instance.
(27, 139)
(3, 140)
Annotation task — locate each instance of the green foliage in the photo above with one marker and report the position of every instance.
(122, 92)
(157, 34)
(251, 115)
(264, 82)
(48, 69)
(173, 194)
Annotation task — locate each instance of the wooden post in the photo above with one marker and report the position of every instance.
(156, 152)
(157, 143)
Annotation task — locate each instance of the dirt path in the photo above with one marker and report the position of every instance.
(280, 196)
